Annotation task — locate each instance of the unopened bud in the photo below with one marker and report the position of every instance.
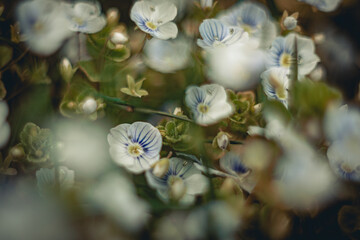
(112, 15)
(177, 188)
(118, 38)
(178, 111)
(206, 3)
(161, 167)
(221, 140)
(290, 23)
(17, 152)
(89, 106)
(66, 70)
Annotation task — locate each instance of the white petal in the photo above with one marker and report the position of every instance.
(164, 12)
(196, 184)
(166, 31)
(141, 11)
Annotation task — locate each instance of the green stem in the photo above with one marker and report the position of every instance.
(294, 64)
(131, 108)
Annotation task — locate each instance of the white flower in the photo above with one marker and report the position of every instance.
(182, 182)
(85, 17)
(233, 164)
(216, 219)
(135, 147)
(276, 83)
(215, 34)
(116, 196)
(237, 66)
(324, 5)
(206, 3)
(43, 24)
(342, 128)
(155, 19)
(46, 182)
(208, 103)
(290, 23)
(281, 53)
(167, 56)
(4, 126)
(254, 19)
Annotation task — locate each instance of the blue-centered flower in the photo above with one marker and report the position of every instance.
(215, 33)
(155, 18)
(233, 164)
(282, 52)
(253, 19)
(208, 103)
(135, 147)
(85, 17)
(182, 182)
(276, 82)
(323, 5)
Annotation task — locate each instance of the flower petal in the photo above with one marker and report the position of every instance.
(166, 31)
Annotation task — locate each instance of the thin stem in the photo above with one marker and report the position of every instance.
(294, 66)
(131, 108)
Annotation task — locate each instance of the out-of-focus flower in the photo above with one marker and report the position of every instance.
(208, 103)
(115, 195)
(4, 126)
(82, 146)
(282, 50)
(237, 66)
(135, 147)
(276, 83)
(118, 37)
(232, 164)
(112, 16)
(167, 56)
(36, 142)
(217, 34)
(216, 219)
(181, 5)
(134, 89)
(290, 22)
(206, 3)
(155, 19)
(304, 179)
(43, 24)
(85, 17)
(341, 127)
(46, 182)
(40, 218)
(253, 19)
(75, 48)
(182, 182)
(323, 5)
(161, 167)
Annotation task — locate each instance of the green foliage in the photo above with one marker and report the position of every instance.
(36, 142)
(311, 98)
(245, 113)
(176, 134)
(77, 94)
(6, 54)
(39, 73)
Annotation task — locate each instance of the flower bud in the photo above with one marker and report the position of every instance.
(118, 38)
(178, 111)
(112, 16)
(66, 70)
(177, 188)
(161, 167)
(17, 152)
(206, 3)
(221, 140)
(290, 23)
(89, 106)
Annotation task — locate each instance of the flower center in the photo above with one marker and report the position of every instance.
(247, 28)
(151, 25)
(346, 168)
(135, 150)
(203, 108)
(78, 20)
(285, 60)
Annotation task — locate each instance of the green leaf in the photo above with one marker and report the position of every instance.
(6, 54)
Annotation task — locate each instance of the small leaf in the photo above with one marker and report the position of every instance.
(6, 54)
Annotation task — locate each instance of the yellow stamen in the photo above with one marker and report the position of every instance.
(151, 25)
(203, 108)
